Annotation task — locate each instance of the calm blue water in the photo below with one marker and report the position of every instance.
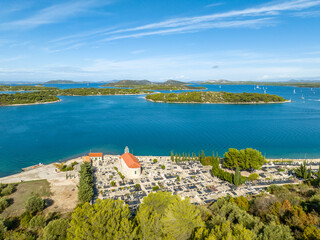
(51, 132)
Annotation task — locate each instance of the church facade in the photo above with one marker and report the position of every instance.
(130, 166)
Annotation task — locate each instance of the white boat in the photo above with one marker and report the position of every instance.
(294, 91)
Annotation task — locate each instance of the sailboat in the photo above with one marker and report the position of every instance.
(258, 87)
(220, 86)
(294, 91)
(302, 97)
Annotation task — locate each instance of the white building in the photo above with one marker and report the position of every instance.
(130, 166)
(95, 156)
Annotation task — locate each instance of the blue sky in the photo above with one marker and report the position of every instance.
(186, 40)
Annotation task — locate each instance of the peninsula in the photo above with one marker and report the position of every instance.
(215, 97)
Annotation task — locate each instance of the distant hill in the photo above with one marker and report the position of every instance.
(130, 83)
(173, 82)
(220, 81)
(144, 82)
(62, 82)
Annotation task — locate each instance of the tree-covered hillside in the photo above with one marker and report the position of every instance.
(282, 213)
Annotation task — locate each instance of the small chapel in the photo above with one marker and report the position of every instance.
(130, 166)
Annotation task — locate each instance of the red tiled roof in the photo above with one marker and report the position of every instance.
(130, 160)
(95, 154)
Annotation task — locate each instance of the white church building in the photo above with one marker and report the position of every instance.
(130, 166)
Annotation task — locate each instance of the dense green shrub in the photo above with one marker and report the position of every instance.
(4, 203)
(34, 204)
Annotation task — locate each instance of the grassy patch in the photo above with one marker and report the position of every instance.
(24, 189)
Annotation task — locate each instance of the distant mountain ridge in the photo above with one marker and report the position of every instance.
(144, 82)
(63, 82)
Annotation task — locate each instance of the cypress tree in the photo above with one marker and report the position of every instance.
(203, 156)
(237, 177)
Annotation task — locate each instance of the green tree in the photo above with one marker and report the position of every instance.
(4, 203)
(237, 177)
(151, 211)
(106, 219)
(231, 158)
(302, 172)
(172, 156)
(37, 222)
(245, 159)
(85, 187)
(163, 167)
(203, 156)
(253, 176)
(181, 219)
(276, 231)
(56, 230)
(34, 204)
(3, 228)
(21, 235)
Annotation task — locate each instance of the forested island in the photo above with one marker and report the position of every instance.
(214, 97)
(48, 94)
(27, 98)
(147, 85)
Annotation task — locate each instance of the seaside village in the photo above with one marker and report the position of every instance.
(131, 178)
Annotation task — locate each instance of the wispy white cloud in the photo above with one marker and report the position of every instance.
(138, 51)
(254, 17)
(11, 59)
(52, 14)
(270, 9)
(215, 4)
(255, 23)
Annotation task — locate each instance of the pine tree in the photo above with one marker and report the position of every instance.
(172, 157)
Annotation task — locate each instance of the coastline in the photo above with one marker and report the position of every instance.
(26, 104)
(234, 103)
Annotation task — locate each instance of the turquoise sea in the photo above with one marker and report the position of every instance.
(77, 125)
